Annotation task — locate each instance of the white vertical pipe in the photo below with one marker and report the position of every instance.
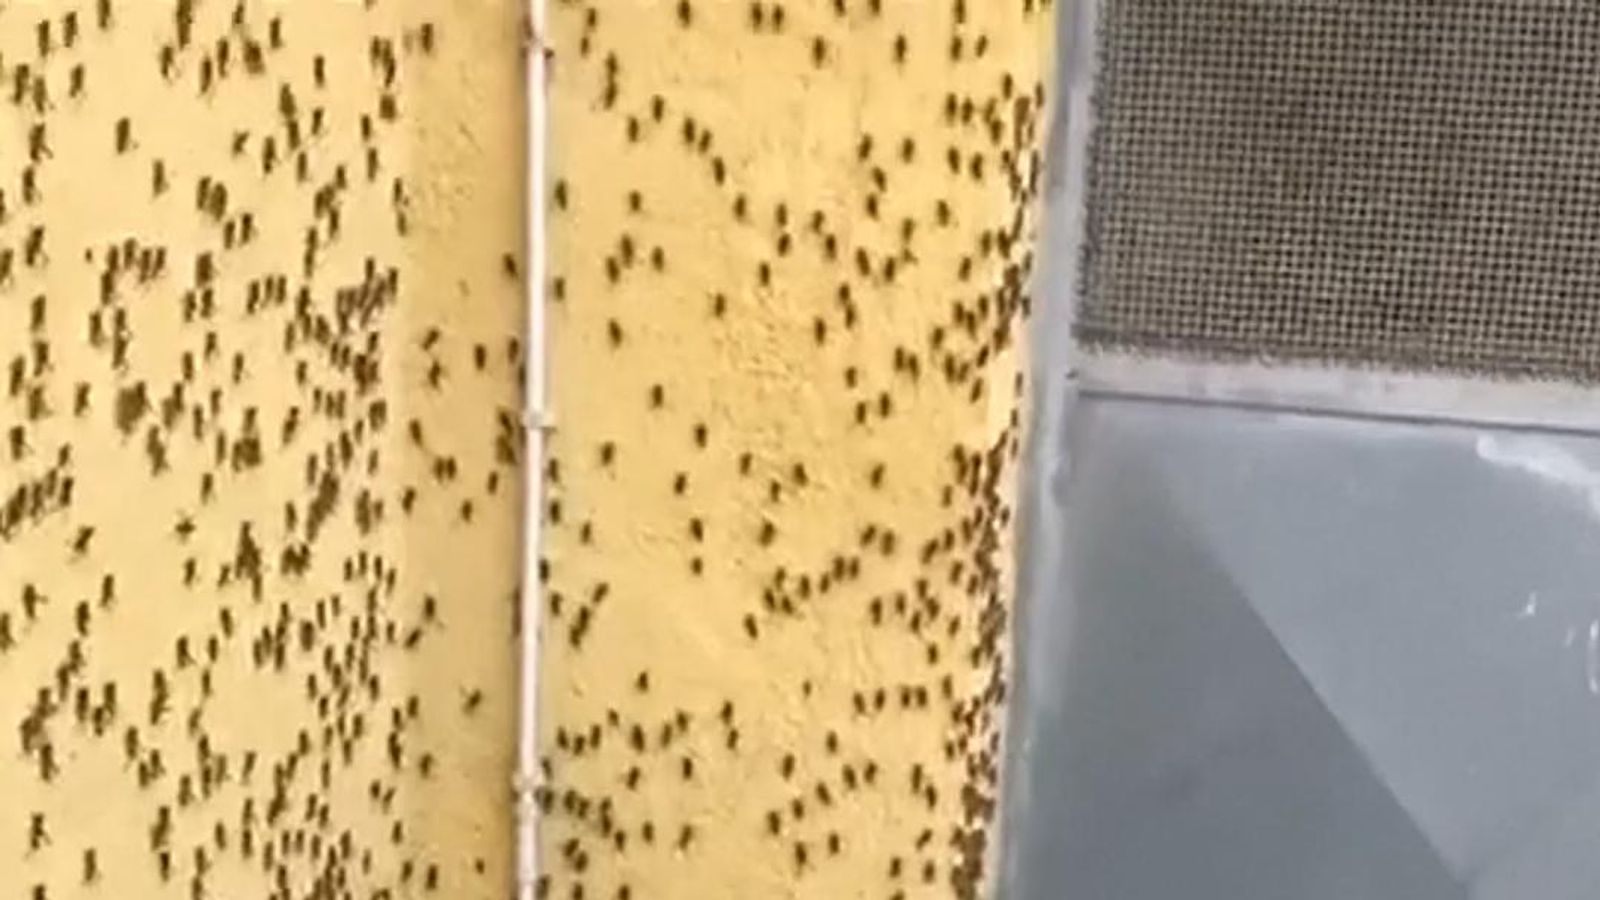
(534, 421)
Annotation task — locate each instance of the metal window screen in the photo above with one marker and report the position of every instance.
(1404, 183)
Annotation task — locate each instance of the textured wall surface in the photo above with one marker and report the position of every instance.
(258, 499)
(260, 329)
(790, 257)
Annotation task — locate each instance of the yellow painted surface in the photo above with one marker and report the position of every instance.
(337, 652)
(789, 250)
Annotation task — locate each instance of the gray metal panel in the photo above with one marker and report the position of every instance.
(1285, 656)
(1404, 183)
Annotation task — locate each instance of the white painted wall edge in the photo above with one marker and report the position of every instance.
(535, 420)
(1325, 390)
(1040, 528)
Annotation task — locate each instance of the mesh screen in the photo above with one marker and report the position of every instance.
(1405, 183)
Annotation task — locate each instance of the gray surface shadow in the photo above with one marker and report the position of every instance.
(1436, 593)
(1177, 752)
(1267, 656)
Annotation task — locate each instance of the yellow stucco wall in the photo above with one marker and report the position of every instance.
(189, 295)
(789, 251)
